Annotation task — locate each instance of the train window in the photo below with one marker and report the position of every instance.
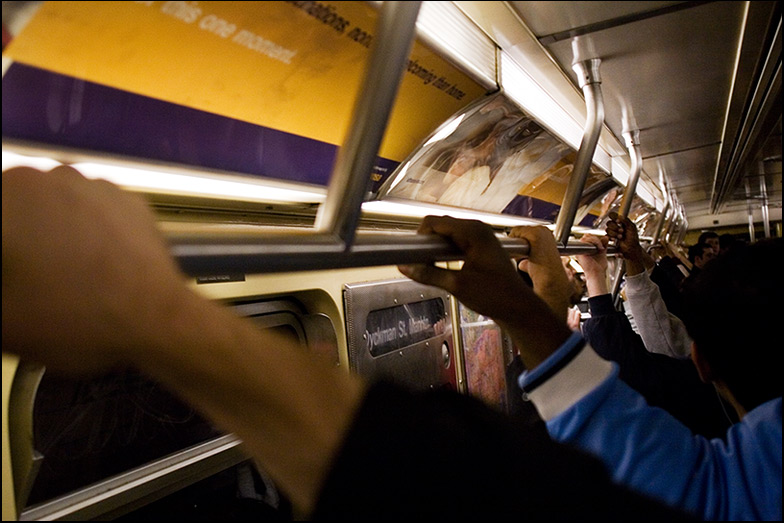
(597, 200)
(87, 431)
(127, 435)
(400, 330)
(239, 493)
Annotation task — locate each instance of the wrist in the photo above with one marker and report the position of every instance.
(635, 261)
(597, 288)
(634, 253)
(536, 331)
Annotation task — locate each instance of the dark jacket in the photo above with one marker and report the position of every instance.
(669, 383)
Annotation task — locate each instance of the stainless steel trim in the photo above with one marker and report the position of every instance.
(763, 94)
(752, 235)
(143, 484)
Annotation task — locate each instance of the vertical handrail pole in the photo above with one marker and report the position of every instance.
(676, 215)
(670, 218)
(673, 225)
(752, 237)
(682, 232)
(660, 222)
(590, 82)
(764, 199)
(632, 139)
(667, 217)
(668, 224)
(348, 185)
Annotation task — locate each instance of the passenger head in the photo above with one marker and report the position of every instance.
(700, 254)
(711, 239)
(733, 313)
(727, 242)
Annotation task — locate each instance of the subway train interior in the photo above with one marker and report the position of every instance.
(289, 151)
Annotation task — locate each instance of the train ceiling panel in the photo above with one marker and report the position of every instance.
(701, 81)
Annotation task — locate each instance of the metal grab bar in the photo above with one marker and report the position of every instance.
(590, 81)
(662, 216)
(660, 224)
(632, 139)
(202, 256)
(349, 183)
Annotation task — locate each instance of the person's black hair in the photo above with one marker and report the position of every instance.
(728, 241)
(733, 313)
(705, 235)
(698, 249)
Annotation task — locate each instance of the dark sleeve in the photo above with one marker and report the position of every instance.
(612, 337)
(445, 455)
(665, 382)
(669, 290)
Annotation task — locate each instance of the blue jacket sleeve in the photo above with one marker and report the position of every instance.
(647, 449)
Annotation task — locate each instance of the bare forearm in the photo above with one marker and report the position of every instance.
(638, 261)
(596, 284)
(290, 411)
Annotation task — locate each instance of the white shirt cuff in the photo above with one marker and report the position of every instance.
(569, 385)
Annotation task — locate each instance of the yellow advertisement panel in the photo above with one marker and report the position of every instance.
(289, 66)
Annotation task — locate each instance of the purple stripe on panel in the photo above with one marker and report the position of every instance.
(42, 106)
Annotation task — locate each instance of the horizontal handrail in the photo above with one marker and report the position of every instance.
(238, 253)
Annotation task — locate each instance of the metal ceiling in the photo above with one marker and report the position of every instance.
(701, 81)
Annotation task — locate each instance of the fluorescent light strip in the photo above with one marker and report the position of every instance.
(420, 210)
(620, 170)
(586, 230)
(41, 163)
(443, 25)
(645, 194)
(165, 182)
(162, 182)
